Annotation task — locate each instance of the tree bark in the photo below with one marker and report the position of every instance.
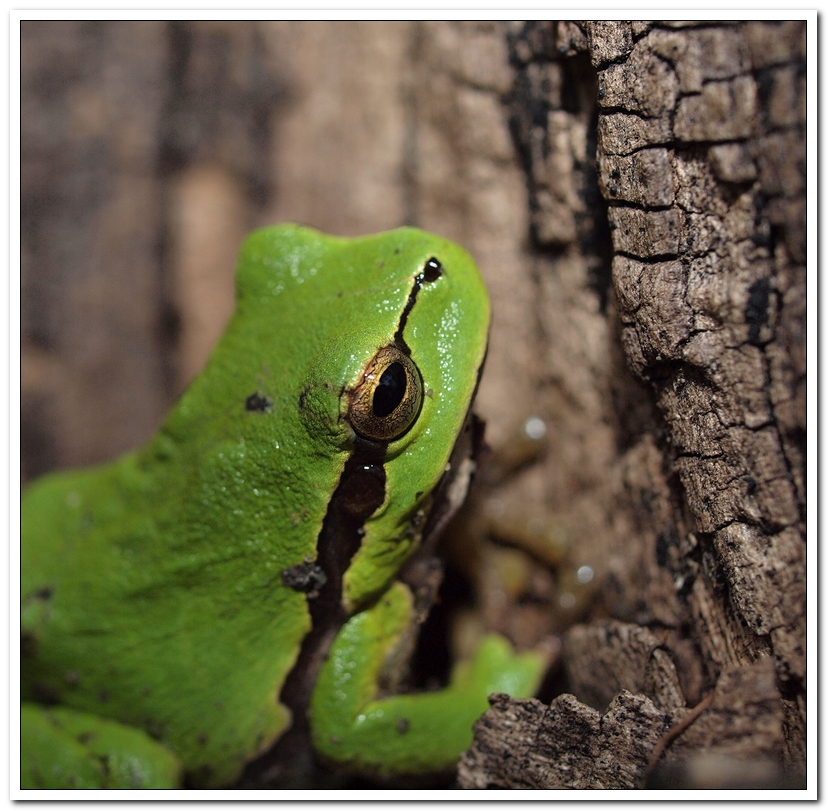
(634, 194)
(701, 160)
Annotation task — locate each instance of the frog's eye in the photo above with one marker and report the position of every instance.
(387, 400)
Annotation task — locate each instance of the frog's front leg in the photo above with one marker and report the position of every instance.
(418, 733)
(62, 748)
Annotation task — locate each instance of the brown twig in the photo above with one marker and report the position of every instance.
(672, 734)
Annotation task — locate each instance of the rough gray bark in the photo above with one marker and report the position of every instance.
(634, 196)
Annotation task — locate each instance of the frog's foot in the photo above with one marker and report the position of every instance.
(407, 734)
(66, 749)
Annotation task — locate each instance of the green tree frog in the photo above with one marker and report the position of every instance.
(184, 604)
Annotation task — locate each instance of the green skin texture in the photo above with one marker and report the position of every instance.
(151, 587)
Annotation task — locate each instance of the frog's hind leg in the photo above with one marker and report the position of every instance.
(406, 734)
(66, 749)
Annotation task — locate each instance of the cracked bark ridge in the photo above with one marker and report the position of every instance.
(524, 744)
(701, 157)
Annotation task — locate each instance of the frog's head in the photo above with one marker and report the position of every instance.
(407, 404)
(381, 348)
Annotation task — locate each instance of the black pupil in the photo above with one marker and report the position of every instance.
(390, 390)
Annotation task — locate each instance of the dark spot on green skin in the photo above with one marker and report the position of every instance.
(402, 725)
(45, 593)
(72, 678)
(86, 737)
(45, 693)
(103, 696)
(303, 395)
(258, 402)
(304, 577)
(202, 739)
